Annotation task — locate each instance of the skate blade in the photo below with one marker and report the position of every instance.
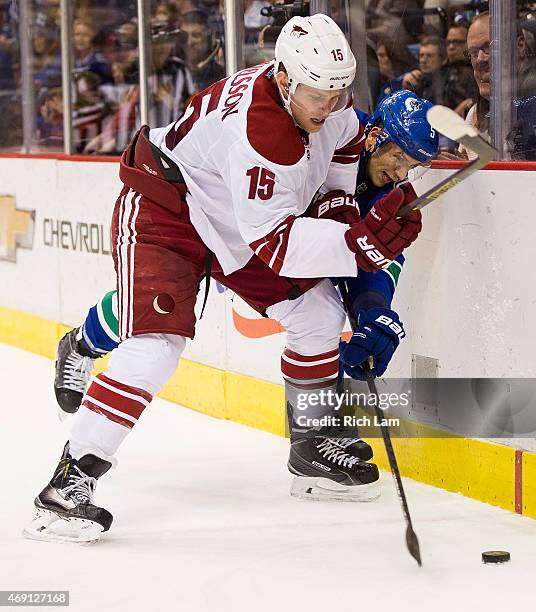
(47, 526)
(62, 416)
(324, 489)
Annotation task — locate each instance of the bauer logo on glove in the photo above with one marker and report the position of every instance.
(377, 334)
(381, 229)
(373, 253)
(335, 203)
(337, 206)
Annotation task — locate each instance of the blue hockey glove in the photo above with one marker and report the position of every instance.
(377, 335)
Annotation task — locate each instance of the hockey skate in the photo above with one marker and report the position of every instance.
(64, 510)
(74, 362)
(356, 447)
(325, 470)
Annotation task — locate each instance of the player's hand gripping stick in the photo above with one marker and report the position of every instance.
(379, 237)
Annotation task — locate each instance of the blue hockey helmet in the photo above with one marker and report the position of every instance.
(403, 119)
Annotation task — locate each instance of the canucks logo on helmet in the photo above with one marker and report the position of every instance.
(403, 119)
(413, 104)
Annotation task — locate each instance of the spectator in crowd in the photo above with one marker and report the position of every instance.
(478, 52)
(427, 80)
(266, 42)
(447, 8)
(10, 121)
(526, 73)
(459, 89)
(49, 122)
(166, 12)
(261, 33)
(444, 75)
(89, 109)
(253, 18)
(521, 139)
(46, 56)
(527, 19)
(200, 50)
(183, 6)
(9, 61)
(124, 58)
(10, 98)
(107, 13)
(86, 57)
(50, 9)
(214, 11)
(170, 84)
(525, 147)
(394, 61)
(403, 17)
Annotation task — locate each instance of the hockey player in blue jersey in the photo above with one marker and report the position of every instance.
(398, 138)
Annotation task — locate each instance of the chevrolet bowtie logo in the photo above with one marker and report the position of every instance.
(16, 228)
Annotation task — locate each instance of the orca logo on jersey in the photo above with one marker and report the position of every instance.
(238, 86)
(372, 253)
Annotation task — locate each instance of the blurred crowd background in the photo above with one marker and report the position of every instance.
(438, 48)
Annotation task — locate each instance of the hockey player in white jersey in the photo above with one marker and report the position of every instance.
(222, 192)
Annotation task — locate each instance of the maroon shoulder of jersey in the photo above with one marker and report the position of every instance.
(270, 129)
(350, 152)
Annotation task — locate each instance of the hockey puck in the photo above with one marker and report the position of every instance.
(495, 556)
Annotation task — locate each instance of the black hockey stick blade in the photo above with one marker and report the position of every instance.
(412, 541)
(413, 544)
(450, 124)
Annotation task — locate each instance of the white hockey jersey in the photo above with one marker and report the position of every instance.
(251, 174)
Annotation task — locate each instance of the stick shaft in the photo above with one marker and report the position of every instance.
(412, 542)
(388, 446)
(485, 152)
(441, 188)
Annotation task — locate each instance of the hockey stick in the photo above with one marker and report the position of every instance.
(412, 541)
(411, 537)
(447, 122)
(451, 125)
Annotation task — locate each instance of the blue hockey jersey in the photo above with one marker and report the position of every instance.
(371, 289)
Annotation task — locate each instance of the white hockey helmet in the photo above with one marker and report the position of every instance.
(314, 52)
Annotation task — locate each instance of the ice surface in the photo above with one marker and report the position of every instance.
(203, 522)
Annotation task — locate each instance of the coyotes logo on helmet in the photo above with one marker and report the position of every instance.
(298, 31)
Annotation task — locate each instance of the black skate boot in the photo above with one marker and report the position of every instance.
(353, 446)
(323, 470)
(65, 509)
(74, 362)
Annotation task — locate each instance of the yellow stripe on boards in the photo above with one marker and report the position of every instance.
(256, 403)
(29, 332)
(476, 468)
(529, 484)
